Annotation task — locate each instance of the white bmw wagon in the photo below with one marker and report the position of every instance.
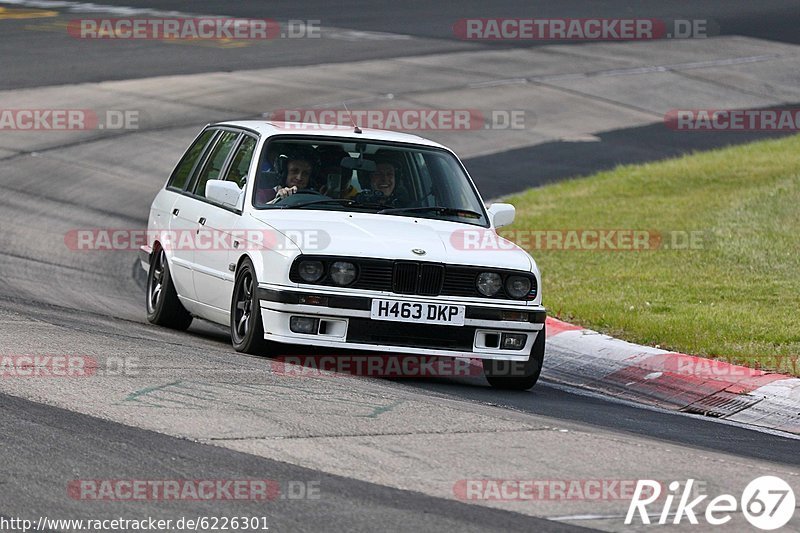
(338, 237)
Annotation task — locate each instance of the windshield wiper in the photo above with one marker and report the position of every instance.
(441, 210)
(342, 201)
(347, 202)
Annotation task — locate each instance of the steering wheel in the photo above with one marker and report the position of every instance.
(279, 199)
(370, 196)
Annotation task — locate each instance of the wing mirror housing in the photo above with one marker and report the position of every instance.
(225, 193)
(502, 214)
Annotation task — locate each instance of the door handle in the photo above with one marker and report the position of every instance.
(202, 221)
(175, 212)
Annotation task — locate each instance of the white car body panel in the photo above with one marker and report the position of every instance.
(392, 237)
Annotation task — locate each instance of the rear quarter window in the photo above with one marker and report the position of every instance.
(182, 173)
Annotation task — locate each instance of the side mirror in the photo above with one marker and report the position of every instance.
(502, 214)
(223, 192)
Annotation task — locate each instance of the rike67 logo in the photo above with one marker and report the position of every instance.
(767, 502)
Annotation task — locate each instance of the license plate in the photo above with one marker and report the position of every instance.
(426, 313)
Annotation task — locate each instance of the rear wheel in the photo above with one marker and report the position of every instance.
(247, 329)
(163, 306)
(517, 375)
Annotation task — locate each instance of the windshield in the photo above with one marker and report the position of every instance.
(366, 177)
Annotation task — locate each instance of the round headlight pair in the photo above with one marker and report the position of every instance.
(489, 284)
(341, 272)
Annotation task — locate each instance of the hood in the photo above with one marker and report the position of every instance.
(341, 233)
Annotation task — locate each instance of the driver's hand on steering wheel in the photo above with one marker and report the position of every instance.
(283, 192)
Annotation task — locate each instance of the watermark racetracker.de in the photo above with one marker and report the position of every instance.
(43, 119)
(66, 366)
(723, 367)
(582, 29)
(401, 119)
(194, 490)
(192, 29)
(544, 489)
(578, 239)
(733, 120)
(235, 239)
(374, 366)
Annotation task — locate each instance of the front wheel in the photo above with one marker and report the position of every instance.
(517, 375)
(163, 306)
(247, 329)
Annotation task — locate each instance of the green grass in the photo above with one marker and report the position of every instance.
(736, 297)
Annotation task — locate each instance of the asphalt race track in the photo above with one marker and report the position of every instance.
(427, 26)
(369, 454)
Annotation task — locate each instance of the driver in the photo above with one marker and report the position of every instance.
(300, 167)
(297, 167)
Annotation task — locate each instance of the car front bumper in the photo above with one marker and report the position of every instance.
(345, 322)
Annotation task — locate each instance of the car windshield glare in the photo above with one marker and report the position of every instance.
(386, 179)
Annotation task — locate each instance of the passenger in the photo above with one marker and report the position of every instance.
(383, 185)
(384, 178)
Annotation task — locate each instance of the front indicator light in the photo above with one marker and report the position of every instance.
(312, 299)
(515, 316)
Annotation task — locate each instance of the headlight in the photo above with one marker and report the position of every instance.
(518, 286)
(489, 283)
(343, 273)
(310, 271)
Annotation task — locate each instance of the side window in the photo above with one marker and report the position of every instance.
(182, 173)
(215, 161)
(240, 164)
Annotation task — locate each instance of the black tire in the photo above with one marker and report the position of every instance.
(163, 306)
(517, 375)
(247, 329)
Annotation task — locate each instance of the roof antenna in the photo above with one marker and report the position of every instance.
(356, 129)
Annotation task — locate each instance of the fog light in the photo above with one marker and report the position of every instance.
(513, 341)
(304, 324)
